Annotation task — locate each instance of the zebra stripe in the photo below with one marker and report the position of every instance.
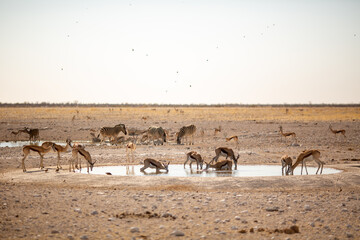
(185, 132)
(112, 132)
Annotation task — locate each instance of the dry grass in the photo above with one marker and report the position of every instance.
(199, 113)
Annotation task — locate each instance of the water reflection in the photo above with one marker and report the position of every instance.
(177, 170)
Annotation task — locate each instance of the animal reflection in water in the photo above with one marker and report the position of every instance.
(152, 163)
(130, 148)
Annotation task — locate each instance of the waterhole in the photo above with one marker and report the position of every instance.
(177, 170)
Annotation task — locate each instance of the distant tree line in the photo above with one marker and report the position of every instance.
(75, 104)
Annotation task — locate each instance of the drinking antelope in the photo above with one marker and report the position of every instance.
(287, 134)
(185, 132)
(226, 152)
(59, 149)
(112, 132)
(306, 156)
(286, 163)
(221, 165)
(40, 150)
(152, 163)
(194, 157)
(154, 133)
(86, 155)
(342, 131)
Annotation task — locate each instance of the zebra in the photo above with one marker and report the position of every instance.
(185, 132)
(155, 133)
(112, 132)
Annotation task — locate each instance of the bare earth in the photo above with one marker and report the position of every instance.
(42, 204)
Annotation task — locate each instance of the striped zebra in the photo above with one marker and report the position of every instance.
(112, 132)
(185, 132)
(155, 133)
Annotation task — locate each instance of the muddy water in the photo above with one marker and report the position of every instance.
(177, 170)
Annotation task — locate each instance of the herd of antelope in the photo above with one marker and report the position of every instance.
(156, 133)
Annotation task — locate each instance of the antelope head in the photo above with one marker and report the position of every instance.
(166, 166)
(236, 159)
(92, 165)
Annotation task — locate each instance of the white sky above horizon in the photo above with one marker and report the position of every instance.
(180, 52)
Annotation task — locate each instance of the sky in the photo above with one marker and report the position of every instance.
(180, 52)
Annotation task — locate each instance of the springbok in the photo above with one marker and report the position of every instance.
(306, 156)
(59, 149)
(286, 163)
(287, 134)
(40, 150)
(226, 152)
(342, 131)
(221, 165)
(152, 163)
(194, 157)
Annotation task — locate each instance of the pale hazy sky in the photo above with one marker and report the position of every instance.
(180, 52)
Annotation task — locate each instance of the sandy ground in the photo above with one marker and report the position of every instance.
(42, 204)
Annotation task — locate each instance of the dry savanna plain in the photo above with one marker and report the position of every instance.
(50, 204)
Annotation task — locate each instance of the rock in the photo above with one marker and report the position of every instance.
(134, 230)
(234, 228)
(349, 235)
(312, 224)
(272, 209)
(77, 210)
(94, 213)
(237, 218)
(307, 208)
(84, 237)
(217, 220)
(177, 233)
(54, 232)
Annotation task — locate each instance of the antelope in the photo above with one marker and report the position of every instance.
(227, 152)
(86, 155)
(287, 134)
(342, 131)
(72, 163)
(194, 157)
(217, 130)
(40, 150)
(154, 133)
(112, 132)
(286, 163)
(186, 131)
(33, 133)
(152, 163)
(306, 156)
(59, 149)
(130, 147)
(235, 138)
(221, 165)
